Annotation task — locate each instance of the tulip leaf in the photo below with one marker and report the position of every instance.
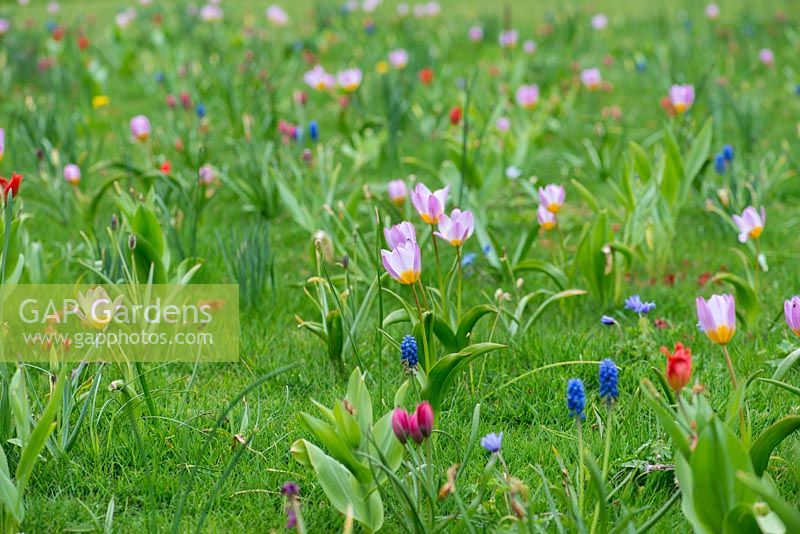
(396, 317)
(445, 335)
(544, 267)
(587, 195)
(666, 418)
(740, 520)
(442, 374)
(788, 387)
(746, 298)
(787, 363)
(717, 457)
(697, 157)
(469, 321)
(358, 396)
(391, 450)
(343, 490)
(335, 444)
(788, 513)
(567, 293)
(765, 443)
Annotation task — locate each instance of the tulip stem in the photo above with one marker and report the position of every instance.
(730, 366)
(460, 277)
(424, 333)
(429, 472)
(439, 278)
(755, 273)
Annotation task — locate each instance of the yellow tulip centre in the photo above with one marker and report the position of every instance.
(408, 277)
(721, 335)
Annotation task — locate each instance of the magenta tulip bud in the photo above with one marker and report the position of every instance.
(171, 101)
(400, 425)
(414, 430)
(424, 415)
(186, 100)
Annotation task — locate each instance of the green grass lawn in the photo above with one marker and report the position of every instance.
(240, 491)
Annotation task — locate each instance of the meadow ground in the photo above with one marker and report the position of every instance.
(236, 488)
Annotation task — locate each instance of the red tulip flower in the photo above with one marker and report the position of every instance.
(426, 76)
(11, 185)
(679, 366)
(455, 115)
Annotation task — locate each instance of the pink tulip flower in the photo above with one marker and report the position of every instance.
(399, 234)
(509, 38)
(349, 79)
(403, 263)
(546, 218)
(319, 79)
(456, 228)
(72, 174)
(591, 79)
(397, 192)
(528, 96)
(717, 317)
(140, 127)
(552, 197)
(475, 34)
(398, 58)
(750, 223)
(681, 97)
(791, 309)
(766, 57)
(430, 206)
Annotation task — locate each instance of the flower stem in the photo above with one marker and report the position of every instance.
(755, 273)
(424, 333)
(606, 457)
(460, 277)
(439, 278)
(730, 366)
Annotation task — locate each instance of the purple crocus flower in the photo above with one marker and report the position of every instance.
(636, 305)
(492, 442)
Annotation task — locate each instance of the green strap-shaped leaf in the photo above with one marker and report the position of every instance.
(765, 443)
(544, 267)
(343, 490)
(788, 513)
(442, 374)
(42, 430)
(469, 321)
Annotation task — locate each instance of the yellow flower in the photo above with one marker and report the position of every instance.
(96, 308)
(100, 101)
(382, 67)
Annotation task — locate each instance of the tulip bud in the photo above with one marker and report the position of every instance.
(400, 425)
(679, 366)
(424, 415)
(114, 222)
(132, 242)
(414, 430)
(455, 115)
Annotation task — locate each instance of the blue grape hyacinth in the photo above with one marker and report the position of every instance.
(408, 351)
(609, 378)
(576, 398)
